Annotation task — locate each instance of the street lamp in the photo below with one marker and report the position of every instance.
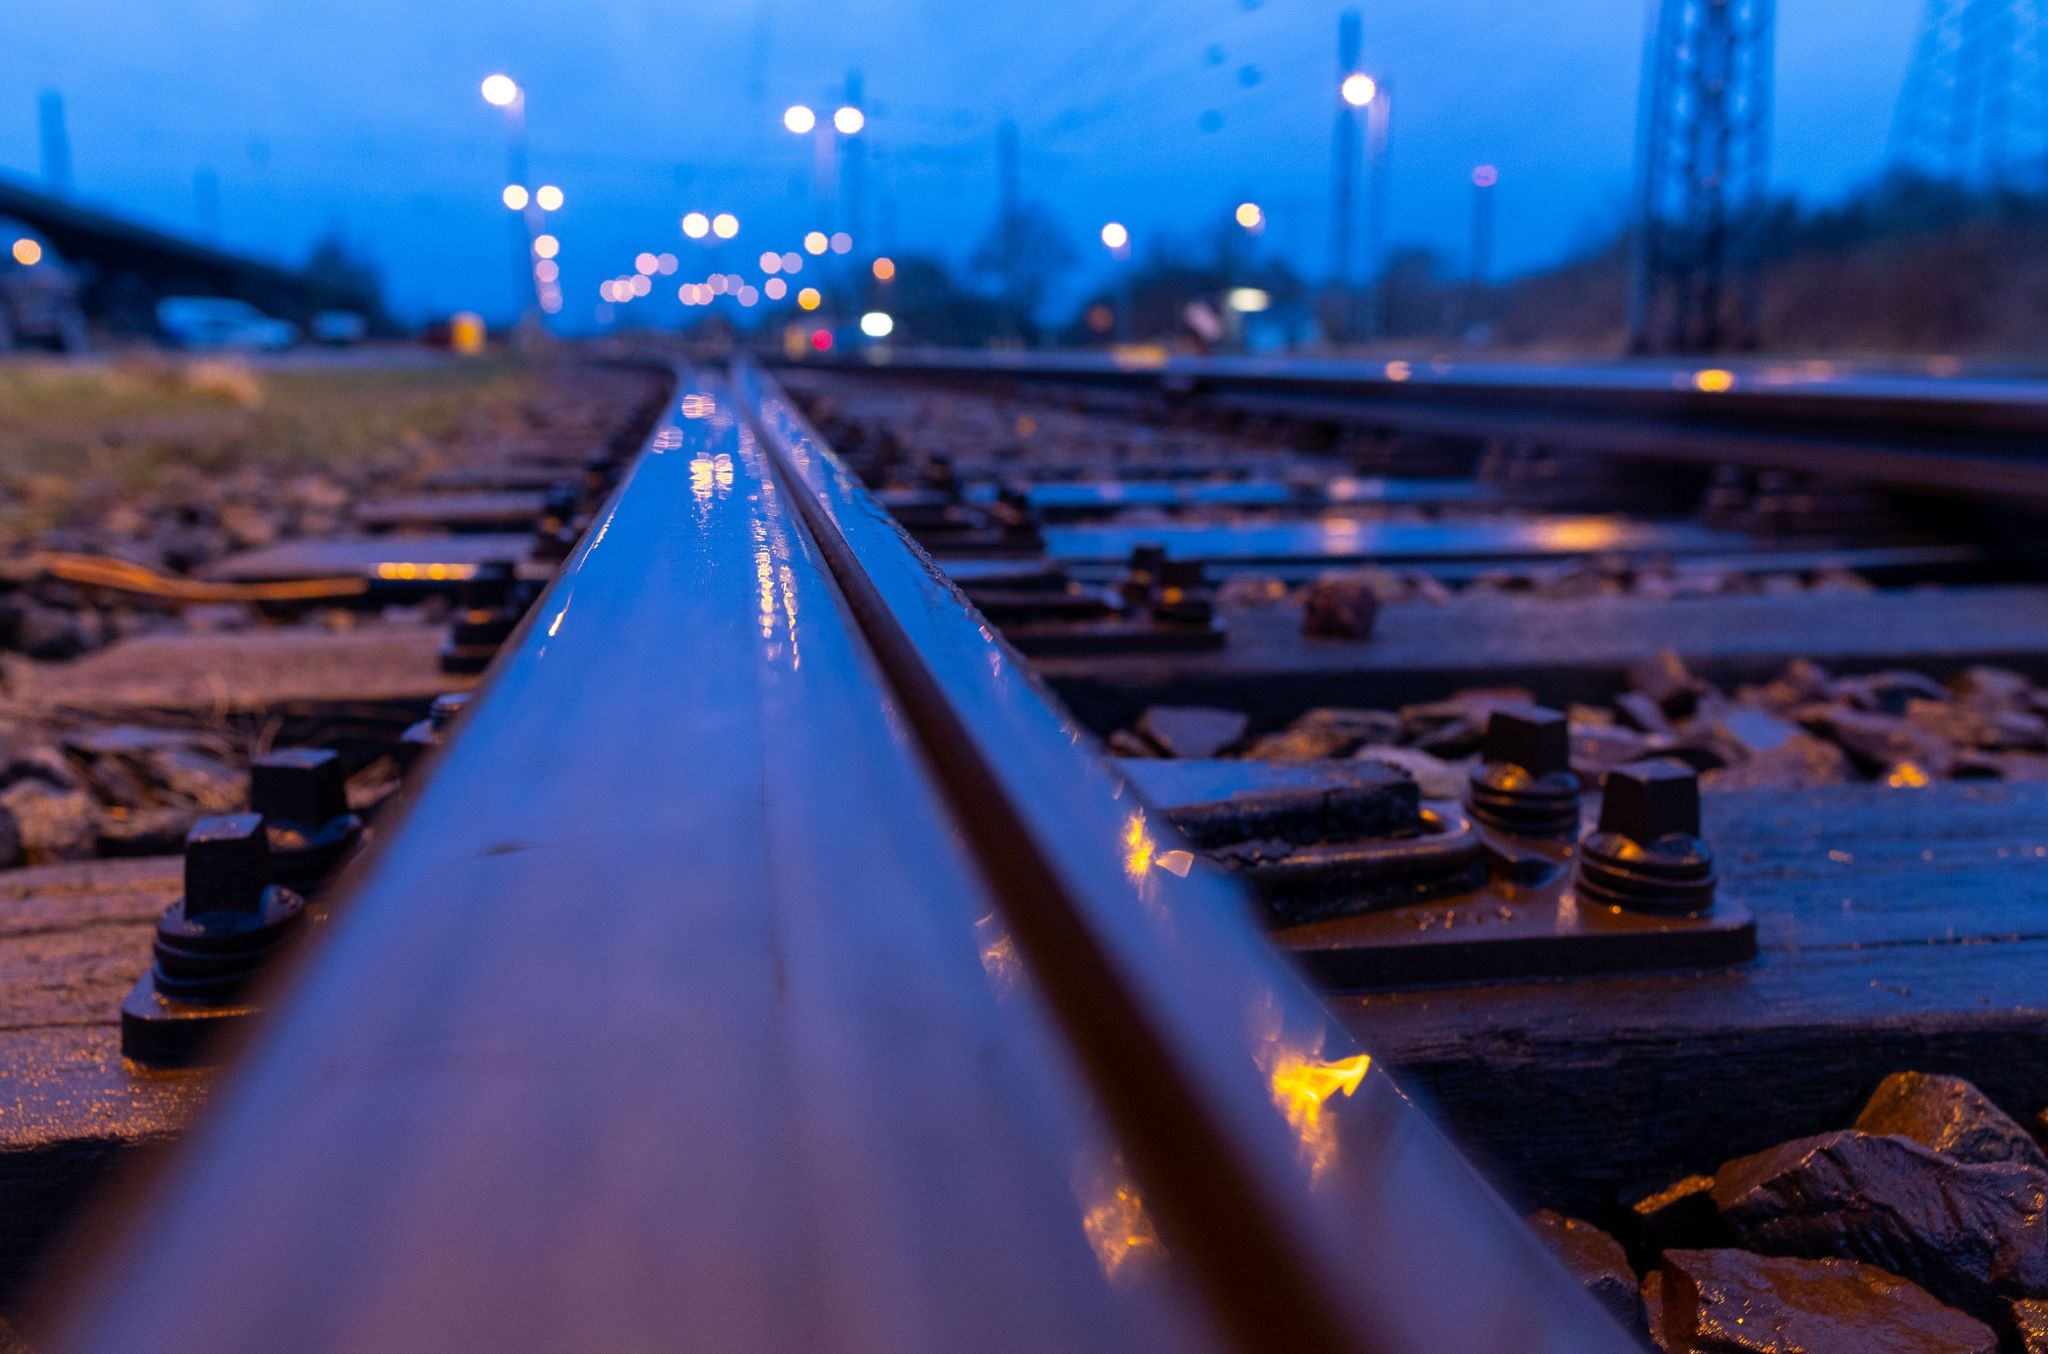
(1116, 238)
(1251, 216)
(1359, 89)
(502, 91)
(846, 121)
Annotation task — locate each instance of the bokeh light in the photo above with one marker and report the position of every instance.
(799, 119)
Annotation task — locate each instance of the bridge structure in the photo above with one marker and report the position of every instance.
(126, 267)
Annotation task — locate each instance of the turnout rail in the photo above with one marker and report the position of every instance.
(1966, 437)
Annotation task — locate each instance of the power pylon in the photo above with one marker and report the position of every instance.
(1703, 174)
(1975, 108)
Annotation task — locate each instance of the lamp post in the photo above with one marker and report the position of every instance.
(846, 121)
(1484, 180)
(1116, 238)
(502, 91)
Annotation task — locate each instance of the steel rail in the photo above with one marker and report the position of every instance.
(1980, 439)
(764, 965)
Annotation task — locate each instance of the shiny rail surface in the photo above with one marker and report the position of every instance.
(1969, 437)
(764, 965)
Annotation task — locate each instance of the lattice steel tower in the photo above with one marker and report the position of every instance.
(1703, 166)
(1975, 109)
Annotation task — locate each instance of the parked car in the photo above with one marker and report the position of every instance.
(38, 293)
(340, 328)
(217, 323)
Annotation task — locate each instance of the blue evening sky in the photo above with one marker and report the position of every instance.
(1160, 113)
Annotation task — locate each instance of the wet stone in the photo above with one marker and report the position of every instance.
(1799, 762)
(1994, 688)
(1359, 726)
(1124, 743)
(1341, 605)
(1973, 1234)
(1435, 777)
(1595, 1259)
(1880, 741)
(1732, 1302)
(54, 825)
(1679, 1216)
(1638, 711)
(2029, 1325)
(1191, 730)
(1948, 1115)
(1888, 693)
(1599, 748)
(1665, 680)
(1976, 726)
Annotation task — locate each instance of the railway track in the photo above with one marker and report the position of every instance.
(770, 956)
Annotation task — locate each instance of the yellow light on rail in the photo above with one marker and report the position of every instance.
(1250, 216)
(885, 269)
(849, 120)
(1359, 90)
(548, 197)
(877, 324)
(500, 90)
(809, 298)
(1115, 235)
(1713, 381)
(27, 252)
(725, 225)
(514, 197)
(816, 243)
(799, 119)
(546, 246)
(696, 225)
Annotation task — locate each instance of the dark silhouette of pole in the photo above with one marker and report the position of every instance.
(1485, 181)
(1345, 156)
(1008, 228)
(853, 182)
(56, 139)
(1379, 137)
